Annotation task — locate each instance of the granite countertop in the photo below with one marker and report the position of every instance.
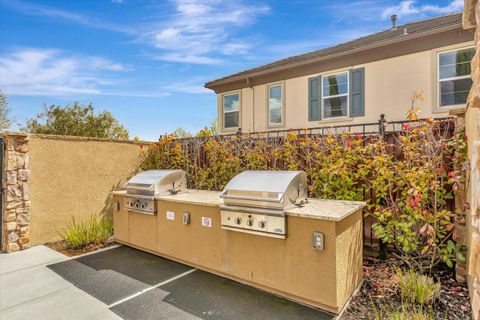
(333, 210)
(201, 197)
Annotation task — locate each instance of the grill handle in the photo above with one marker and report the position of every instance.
(146, 187)
(227, 196)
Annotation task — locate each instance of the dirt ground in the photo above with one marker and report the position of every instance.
(379, 291)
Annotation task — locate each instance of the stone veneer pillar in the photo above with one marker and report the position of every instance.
(16, 196)
(459, 232)
(471, 20)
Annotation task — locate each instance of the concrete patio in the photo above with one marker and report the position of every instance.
(124, 283)
(36, 292)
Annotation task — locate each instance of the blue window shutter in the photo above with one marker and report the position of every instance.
(315, 98)
(357, 92)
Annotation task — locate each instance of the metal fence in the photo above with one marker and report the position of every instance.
(379, 129)
(388, 131)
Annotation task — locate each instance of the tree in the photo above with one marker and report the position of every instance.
(77, 120)
(5, 122)
(181, 133)
(207, 132)
(214, 126)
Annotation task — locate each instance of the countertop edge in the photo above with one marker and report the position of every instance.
(326, 218)
(188, 202)
(356, 205)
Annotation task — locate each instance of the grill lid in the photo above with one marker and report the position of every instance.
(266, 189)
(155, 182)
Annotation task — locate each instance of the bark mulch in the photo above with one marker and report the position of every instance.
(379, 291)
(62, 247)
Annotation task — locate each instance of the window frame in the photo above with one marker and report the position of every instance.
(282, 111)
(224, 128)
(323, 97)
(441, 108)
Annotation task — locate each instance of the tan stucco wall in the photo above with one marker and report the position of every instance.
(349, 257)
(389, 84)
(287, 267)
(74, 177)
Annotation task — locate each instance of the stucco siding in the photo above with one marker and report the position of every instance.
(389, 84)
(74, 177)
(290, 268)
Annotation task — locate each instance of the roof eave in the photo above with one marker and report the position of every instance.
(243, 77)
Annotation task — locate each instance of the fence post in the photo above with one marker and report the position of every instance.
(381, 126)
(382, 247)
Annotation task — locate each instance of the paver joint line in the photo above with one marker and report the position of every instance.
(36, 298)
(151, 288)
(37, 265)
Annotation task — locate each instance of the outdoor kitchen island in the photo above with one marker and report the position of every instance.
(318, 262)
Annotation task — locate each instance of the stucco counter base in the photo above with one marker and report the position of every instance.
(288, 267)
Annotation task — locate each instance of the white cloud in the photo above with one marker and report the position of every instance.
(134, 93)
(51, 72)
(47, 11)
(235, 48)
(196, 32)
(367, 10)
(187, 88)
(410, 7)
(99, 63)
(200, 31)
(187, 58)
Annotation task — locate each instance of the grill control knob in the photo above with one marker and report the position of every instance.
(250, 222)
(262, 224)
(238, 221)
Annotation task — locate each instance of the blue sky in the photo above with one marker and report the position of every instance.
(146, 61)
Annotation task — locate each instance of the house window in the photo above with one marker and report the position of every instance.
(335, 95)
(275, 105)
(454, 82)
(231, 111)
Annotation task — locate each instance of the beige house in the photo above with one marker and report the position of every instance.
(353, 82)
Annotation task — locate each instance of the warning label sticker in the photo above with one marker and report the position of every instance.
(207, 222)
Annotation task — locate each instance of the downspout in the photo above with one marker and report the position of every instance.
(253, 104)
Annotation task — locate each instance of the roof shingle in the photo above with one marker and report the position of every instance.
(410, 28)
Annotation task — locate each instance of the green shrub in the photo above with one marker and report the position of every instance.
(406, 180)
(417, 287)
(407, 315)
(408, 310)
(93, 230)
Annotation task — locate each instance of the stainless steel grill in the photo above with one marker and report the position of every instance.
(142, 188)
(255, 201)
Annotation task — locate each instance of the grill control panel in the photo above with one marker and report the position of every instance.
(144, 206)
(266, 225)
